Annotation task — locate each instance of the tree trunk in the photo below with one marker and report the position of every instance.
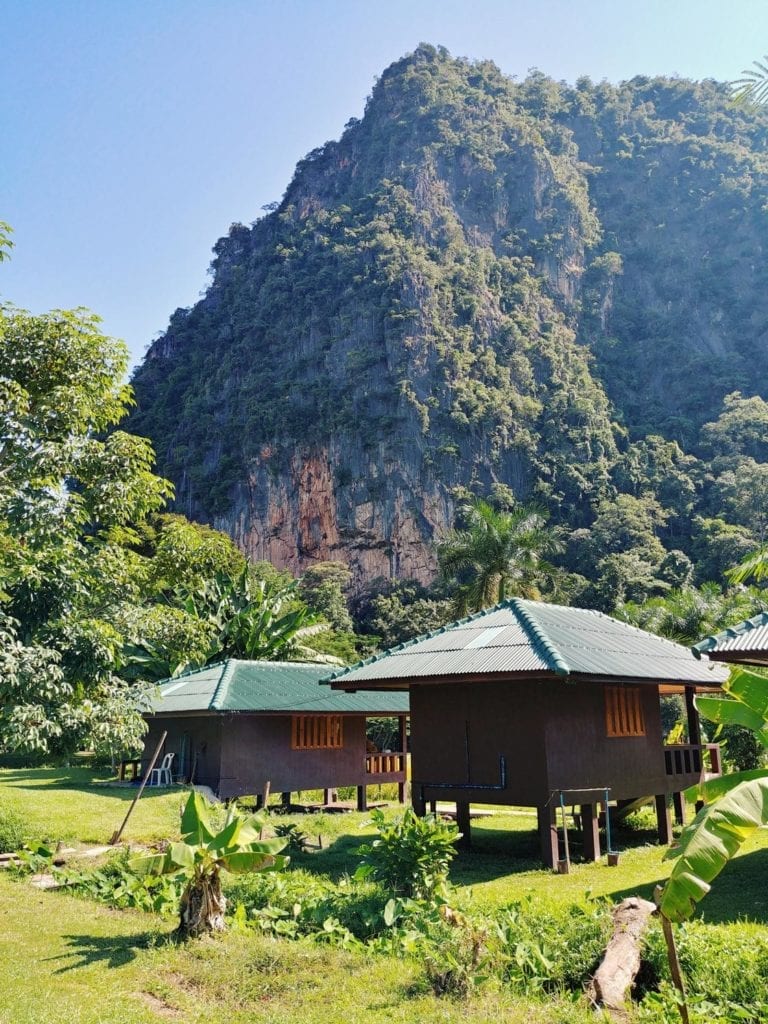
(202, 907)
(612, 983)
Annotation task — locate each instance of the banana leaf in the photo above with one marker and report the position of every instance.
(708, 843)
(712, 789)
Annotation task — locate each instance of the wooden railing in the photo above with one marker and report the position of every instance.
(693, 759)
(387, 763)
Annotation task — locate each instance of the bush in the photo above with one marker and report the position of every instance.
(543, 949)
(725, 969)
(411, 854)
(12, 830)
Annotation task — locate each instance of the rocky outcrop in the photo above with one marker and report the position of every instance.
(480, 282)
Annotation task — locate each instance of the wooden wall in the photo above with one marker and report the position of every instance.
(552, 734)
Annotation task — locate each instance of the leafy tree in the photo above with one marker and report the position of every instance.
(497, 554)
(322, 589)
(70, 494)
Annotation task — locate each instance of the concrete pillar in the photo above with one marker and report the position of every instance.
(550, 851)
(464, 823)
(664, 819)
(362, 798)
(590, 830)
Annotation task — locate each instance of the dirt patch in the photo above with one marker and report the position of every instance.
(159, 1006)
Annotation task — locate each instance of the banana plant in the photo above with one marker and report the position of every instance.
(736, 805)
(201, 856)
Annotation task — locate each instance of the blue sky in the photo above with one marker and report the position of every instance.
(135, 131)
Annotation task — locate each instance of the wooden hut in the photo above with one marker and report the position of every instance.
(236, 725)
(528, 702)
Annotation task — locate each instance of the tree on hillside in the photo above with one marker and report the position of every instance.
(497, 553)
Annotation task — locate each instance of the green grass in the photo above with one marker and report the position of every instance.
(71, 961)
(75, 805)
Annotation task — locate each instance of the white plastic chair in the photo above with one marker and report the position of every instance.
(162, 776)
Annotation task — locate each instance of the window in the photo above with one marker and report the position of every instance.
(624, 711)
(316, 732)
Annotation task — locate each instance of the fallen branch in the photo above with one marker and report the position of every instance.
(612, 982)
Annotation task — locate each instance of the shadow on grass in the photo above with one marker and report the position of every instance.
(738, 893)
(113, 950)
(339, 858)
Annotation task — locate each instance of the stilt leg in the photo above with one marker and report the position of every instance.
(590, 832)
(464, 823)
(548, 835)
(679, 805)
(664, 819)
(362, 798)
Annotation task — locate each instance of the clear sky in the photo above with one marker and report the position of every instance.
(135, 131)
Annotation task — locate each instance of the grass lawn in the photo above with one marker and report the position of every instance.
(75, 805)
(71, 961)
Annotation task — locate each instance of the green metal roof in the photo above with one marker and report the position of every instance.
(522, 638)
(267, 686)
(750, 636)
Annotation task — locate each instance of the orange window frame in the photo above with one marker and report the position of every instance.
(624, 711)
(317, 732)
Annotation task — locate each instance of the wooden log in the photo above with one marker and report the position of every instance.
(612, 982)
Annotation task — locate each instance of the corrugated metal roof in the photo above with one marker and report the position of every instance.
(268, 686)
(521, 637)
(750, 635)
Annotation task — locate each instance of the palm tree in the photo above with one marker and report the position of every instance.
(498, 554)
(753, 87)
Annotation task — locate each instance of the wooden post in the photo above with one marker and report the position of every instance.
(116, 836)
(679, 805)
(417, 800)
(403, 738)
(285, 799)
(694, 728)
(672, 957)
(464, 822)
(550, 852)
(362, 798)
(663, 819)
(590, 830)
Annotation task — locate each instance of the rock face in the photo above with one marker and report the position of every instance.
(481, 282)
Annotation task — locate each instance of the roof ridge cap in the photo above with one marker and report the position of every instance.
(537, 635)
(737, 629)
(222, 687)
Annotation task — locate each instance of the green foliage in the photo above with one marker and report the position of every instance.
(727, 973)
(203, 853)
(117, 885)
(410, 855)
(497, 554)
(740, 801)
(71, 490)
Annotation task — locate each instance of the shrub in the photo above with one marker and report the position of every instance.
(411, 854)
(726, 969)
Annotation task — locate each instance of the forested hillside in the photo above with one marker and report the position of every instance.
(558, 289)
